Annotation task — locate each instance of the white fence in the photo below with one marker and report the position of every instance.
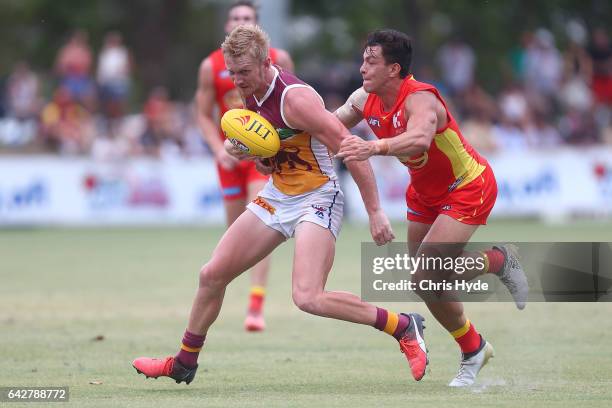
(55, 190)
(549, 184)
(38, 190)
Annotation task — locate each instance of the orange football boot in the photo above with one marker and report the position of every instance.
(167, 367)
(412, 345)
(254, 322)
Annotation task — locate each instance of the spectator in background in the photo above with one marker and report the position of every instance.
(540, 134)
(518, 56)
(575, 92)
(514, 104)
(601, 53)
(113, 75)
(73, 67)
(426, 74)
(508, 136)
(543, 64)
(22, 93)
(158, 113)
(606, 133)
(480, 111)
(23, 104)
(509, 133)
(2, 97)
(478, 131)
(578, 127)
(66, 125)
(193, 142)
(457, 63)
(476, 101)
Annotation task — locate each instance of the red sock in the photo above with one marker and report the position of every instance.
(256, 299)
(495, 259)
(190, 349)
(467, 337)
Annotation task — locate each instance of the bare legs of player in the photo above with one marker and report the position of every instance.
(315, 247)
(254, 320)
(245, 243)
(444, 229)
(422, 240)
(252, 239)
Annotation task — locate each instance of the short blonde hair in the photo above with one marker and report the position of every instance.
(247, 40)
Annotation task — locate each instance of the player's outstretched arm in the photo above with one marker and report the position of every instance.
(422, 110)
(303, 109)
(205, 102)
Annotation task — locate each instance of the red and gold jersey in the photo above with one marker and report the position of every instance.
(450, 162)
(226, 94)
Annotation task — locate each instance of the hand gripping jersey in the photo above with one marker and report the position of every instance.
(302, 164)
(450, 163)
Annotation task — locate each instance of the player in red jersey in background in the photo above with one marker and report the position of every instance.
(239, 180)
(452, 188)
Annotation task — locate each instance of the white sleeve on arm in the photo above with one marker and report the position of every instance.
(351, 112)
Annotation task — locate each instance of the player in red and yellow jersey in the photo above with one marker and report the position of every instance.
(239, 180)
(452, 188)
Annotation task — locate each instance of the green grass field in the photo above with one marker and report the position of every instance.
(61, 288)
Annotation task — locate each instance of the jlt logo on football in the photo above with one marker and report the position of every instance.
(260, 129)
(437, 267)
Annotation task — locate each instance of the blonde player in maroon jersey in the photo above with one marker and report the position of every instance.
(452, 188)
(239, 180)
(301, 200)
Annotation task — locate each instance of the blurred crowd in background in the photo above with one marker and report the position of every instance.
(84, 104)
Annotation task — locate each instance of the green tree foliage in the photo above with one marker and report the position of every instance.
(168, 38)
(492, 27)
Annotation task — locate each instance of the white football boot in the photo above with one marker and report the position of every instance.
(469, 368)
(513, 276)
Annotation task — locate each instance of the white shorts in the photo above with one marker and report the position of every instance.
(283, 212)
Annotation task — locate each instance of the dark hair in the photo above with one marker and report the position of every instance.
(396, 48)
(247, 3)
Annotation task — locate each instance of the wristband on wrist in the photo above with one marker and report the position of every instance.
(383, 147)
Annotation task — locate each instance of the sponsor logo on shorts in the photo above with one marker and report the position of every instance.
(411, 211)
(455, 184)
(319, 210)
(264, 204)
(446, 207)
